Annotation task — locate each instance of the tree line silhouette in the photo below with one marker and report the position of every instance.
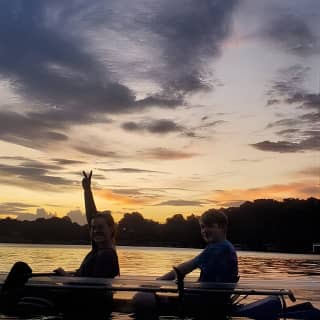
(291, 225)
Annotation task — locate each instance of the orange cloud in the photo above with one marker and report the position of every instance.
(311, 171)
(299, 190)
(122, 199)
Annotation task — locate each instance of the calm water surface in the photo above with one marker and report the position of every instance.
(156, 261)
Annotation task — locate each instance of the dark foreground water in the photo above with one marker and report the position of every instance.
(299, 272)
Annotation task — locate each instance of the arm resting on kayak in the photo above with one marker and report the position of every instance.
(184, 268)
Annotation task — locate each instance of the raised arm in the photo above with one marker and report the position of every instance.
(91, 209)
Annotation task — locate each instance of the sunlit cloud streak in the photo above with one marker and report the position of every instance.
(118, 198)
(181, 203)
(168, 154)
(300, 190)
(131, 170)
(311, 172)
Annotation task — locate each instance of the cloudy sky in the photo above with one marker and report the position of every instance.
(176, 105)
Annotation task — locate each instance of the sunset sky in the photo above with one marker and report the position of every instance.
(176, 105)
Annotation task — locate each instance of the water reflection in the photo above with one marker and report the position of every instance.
(278, 266)
(156, 261)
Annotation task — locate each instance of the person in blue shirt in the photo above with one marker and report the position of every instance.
(218, 262)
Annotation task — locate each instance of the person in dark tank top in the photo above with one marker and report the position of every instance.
(102, 260)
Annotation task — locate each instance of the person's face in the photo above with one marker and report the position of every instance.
(210, 232)
(100, 231)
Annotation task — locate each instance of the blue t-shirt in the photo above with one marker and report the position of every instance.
(218, 262)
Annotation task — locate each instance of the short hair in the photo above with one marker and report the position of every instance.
(214, 216)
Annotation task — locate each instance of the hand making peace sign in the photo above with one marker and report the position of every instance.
(86, 181)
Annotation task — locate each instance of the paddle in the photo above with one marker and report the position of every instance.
(180, 286)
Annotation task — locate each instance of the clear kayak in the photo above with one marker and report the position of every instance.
(50, 294)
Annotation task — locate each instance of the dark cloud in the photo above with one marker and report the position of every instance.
(212, 124)
(294, 34)
(27, 131)
(30, 163)
(165, 126)
(190, 33)
(284, 123)
(46, 54)
(288, 88)
(161, 126)
(67, 161)
(130, 170)
(96, 152)
(14, 208)
(53, 164)
(288, 133)
(300, 131)
(14, 158)
(47, 61)
(48, 57)
(32, 177)
(182, 203)
(279, 146)
(168, 154)
(171, 100)
(311, 143)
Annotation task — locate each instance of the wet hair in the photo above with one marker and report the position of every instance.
(214, 216)
(108, 219)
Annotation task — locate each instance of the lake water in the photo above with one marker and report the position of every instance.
(298, 270)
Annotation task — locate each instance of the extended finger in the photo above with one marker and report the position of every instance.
(90, 174)
(84, 174)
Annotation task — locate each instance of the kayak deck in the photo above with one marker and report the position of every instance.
(124, 287)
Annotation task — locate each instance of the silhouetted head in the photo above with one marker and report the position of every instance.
(213, 224)
(103, 229)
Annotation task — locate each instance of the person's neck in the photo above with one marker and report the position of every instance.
(222, 238)
(104, 245)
